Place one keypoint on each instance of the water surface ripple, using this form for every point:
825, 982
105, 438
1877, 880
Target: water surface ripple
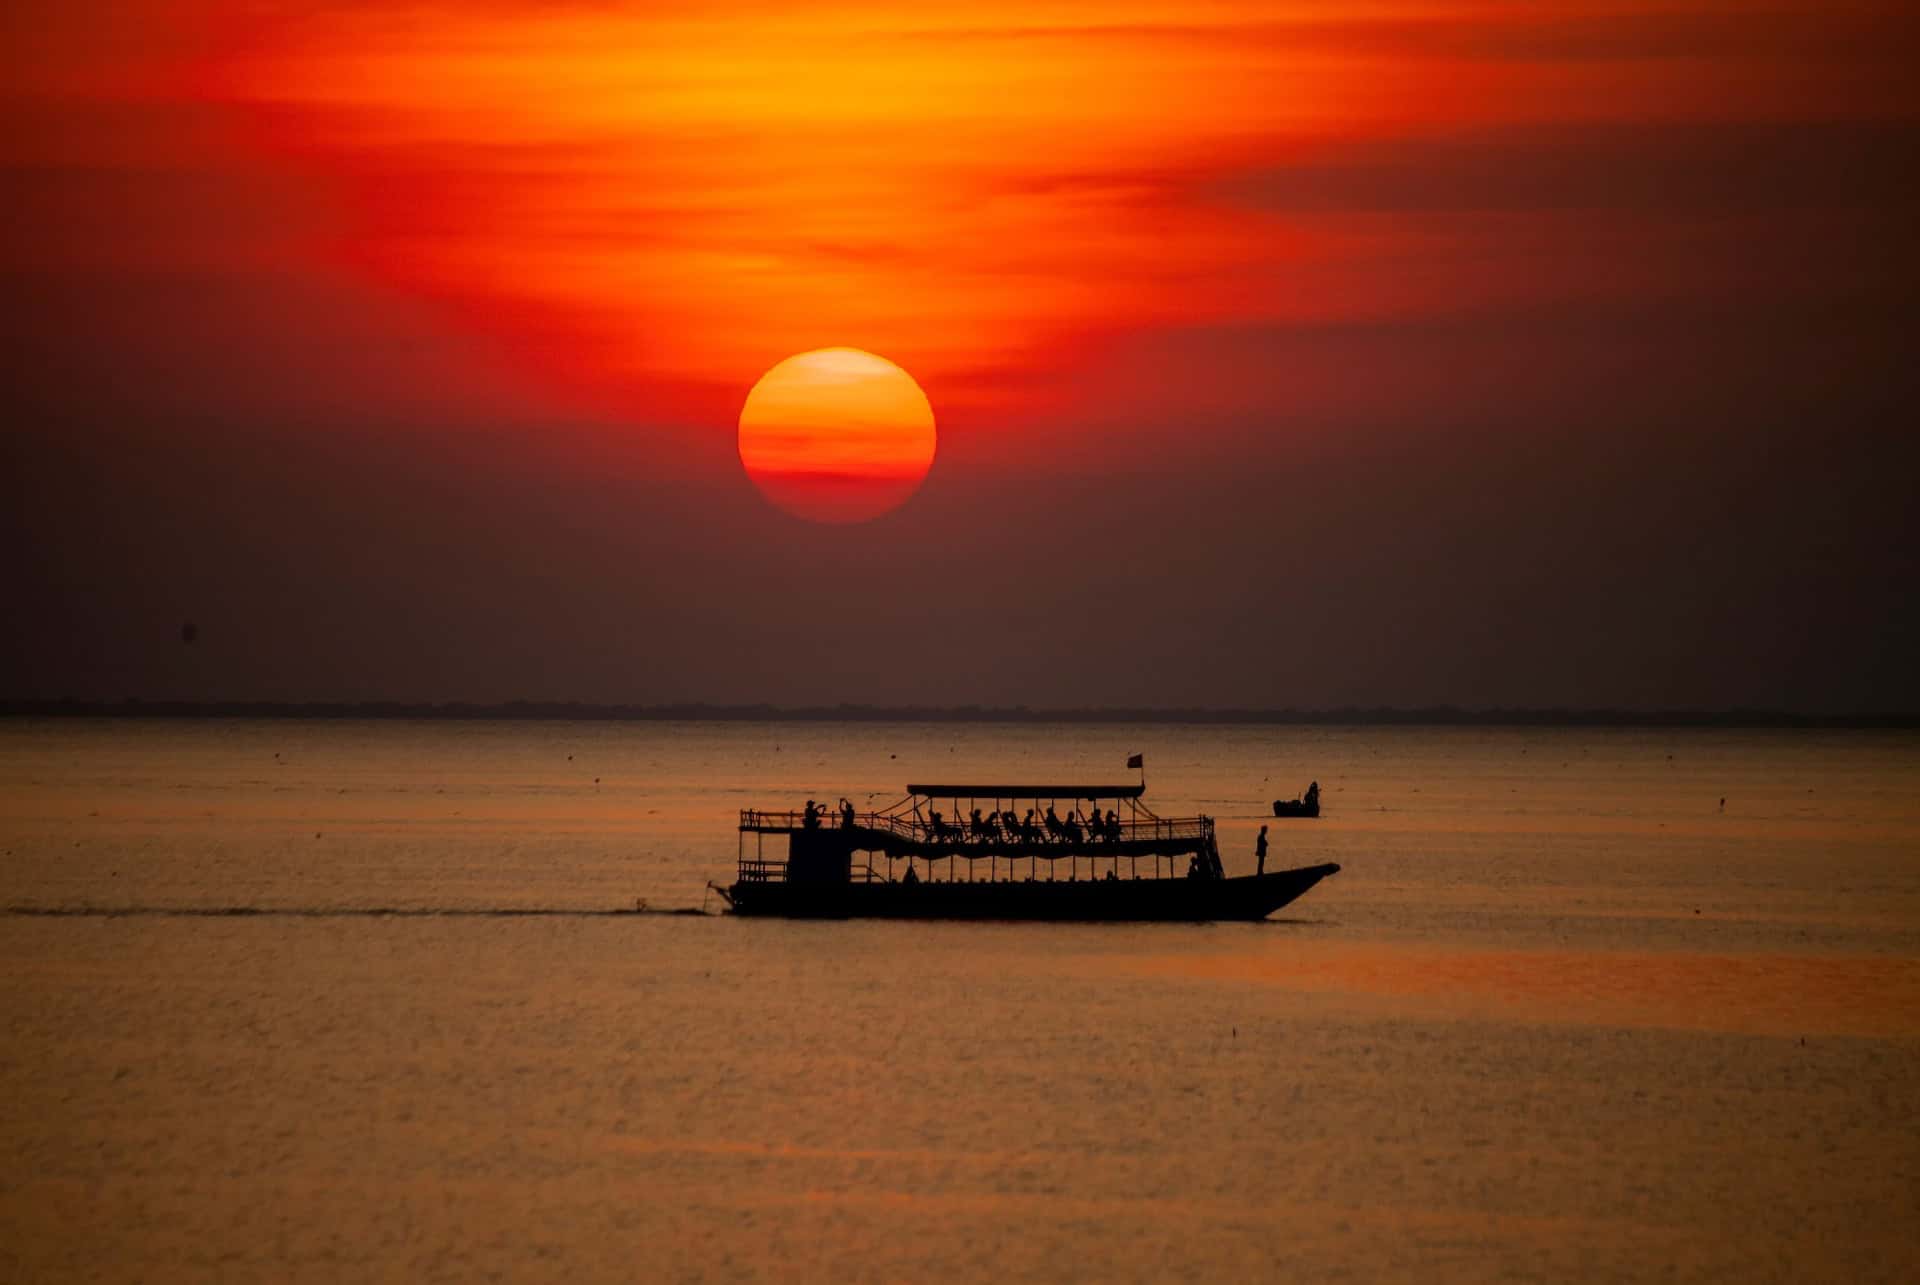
338, 1000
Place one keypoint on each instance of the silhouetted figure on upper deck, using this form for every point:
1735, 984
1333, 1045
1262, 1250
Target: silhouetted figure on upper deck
1054, 829
846, 814
979, 826
1113, 825
810, 819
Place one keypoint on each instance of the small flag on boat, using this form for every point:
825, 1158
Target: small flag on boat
1137, 760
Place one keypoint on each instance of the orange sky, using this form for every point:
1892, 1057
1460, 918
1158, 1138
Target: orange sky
644, 198
1459, 312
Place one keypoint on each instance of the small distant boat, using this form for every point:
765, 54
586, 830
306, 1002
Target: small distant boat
844, 864
1307, 805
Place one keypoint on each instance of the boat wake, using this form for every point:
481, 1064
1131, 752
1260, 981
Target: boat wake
343, 912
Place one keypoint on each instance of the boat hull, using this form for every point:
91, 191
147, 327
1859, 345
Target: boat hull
1249, 897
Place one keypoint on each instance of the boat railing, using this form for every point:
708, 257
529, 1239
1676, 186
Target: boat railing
773, 821
962, 833
757, 870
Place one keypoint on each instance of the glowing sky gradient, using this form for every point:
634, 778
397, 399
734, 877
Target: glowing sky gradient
649, 198
1482, 313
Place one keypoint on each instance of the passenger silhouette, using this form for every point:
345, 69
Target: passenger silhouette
1260, 851
810, 819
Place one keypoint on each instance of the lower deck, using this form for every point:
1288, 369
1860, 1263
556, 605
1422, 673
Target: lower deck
1193, 899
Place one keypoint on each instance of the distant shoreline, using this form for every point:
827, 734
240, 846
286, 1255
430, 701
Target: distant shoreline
1435, 716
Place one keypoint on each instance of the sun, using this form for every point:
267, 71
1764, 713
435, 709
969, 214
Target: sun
837, 435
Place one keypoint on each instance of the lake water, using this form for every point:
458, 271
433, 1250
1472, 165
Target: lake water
1562, 1015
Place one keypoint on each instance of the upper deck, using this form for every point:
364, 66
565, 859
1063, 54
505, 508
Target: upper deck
870, 830
997, 820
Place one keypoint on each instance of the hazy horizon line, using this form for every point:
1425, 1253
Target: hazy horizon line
849, 712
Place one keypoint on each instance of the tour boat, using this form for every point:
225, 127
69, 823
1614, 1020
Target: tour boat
998, 852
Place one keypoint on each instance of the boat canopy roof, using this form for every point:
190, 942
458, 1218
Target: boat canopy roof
1028, 791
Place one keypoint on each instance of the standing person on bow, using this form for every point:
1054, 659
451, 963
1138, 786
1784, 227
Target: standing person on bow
1260, 852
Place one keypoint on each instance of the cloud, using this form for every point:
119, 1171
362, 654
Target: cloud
1655, 169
